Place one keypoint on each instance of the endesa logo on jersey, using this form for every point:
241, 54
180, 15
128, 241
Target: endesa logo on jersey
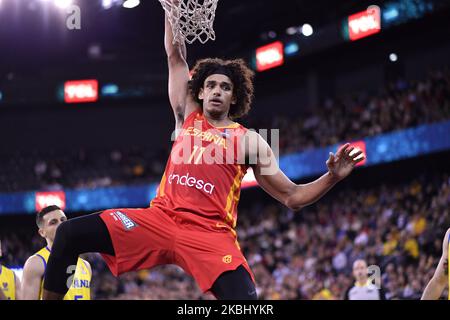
270, 56
81, 91
365, 23
45, 199
191, 182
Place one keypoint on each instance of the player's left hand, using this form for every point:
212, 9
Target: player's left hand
342, 163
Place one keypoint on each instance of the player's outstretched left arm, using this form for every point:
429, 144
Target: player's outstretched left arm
297, 196
437, 284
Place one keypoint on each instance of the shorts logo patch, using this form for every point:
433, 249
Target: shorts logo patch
227, 259
127, 223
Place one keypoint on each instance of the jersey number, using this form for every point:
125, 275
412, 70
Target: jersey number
199, 151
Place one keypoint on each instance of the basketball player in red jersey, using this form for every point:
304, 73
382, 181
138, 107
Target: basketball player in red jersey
192, 220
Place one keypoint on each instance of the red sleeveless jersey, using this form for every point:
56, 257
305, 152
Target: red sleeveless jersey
202, 179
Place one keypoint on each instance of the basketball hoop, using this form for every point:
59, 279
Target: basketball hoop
191, 19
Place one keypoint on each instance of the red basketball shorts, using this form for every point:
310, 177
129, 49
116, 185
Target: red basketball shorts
145, 238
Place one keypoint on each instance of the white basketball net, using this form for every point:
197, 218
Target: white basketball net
191, 19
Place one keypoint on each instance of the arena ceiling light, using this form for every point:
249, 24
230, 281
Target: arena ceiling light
63, 4
106, 4
393, 57
110, 89
390, 14
292, 30
291, 48
307, 30
129, 4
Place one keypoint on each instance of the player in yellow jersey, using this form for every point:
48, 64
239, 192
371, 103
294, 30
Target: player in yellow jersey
441, 277
9, 282
48, 220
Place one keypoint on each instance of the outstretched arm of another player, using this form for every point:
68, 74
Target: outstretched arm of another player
33, 271
297, 196
437, 284
181, 102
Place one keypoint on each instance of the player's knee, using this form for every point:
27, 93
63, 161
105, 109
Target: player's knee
64, 238
235, 285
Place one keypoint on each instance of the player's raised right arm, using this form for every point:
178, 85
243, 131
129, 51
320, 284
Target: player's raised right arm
437, 284
180, 100
33, 272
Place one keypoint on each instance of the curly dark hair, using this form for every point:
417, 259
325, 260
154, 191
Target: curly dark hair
240, 75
